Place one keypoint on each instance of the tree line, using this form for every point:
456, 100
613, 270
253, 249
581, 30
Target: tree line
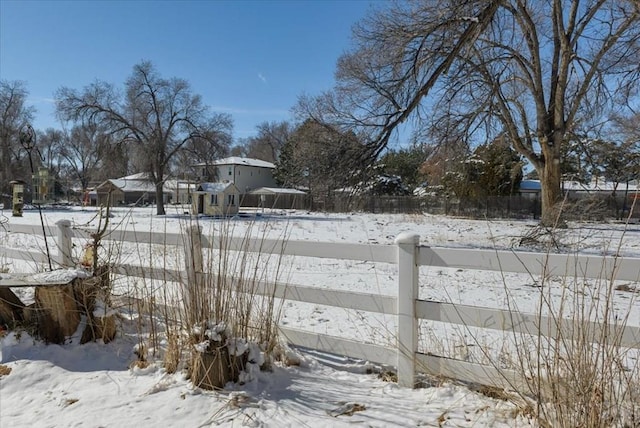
486, 87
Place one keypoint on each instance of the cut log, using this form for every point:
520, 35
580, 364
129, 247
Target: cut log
11, 308
97, 328
59, 307
57, 311
105, 328
100, 323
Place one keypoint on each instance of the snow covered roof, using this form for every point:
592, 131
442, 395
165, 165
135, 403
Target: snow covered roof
276, 191
127, 185
576, 186
236, 160
179, 184
597, 186
141, 182
213, 187
138, 176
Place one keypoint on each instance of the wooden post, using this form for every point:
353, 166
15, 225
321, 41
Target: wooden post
407, 294
194, 267
64, 243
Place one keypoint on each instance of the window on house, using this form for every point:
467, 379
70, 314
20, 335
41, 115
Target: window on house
232, 200
230, 171
214, 199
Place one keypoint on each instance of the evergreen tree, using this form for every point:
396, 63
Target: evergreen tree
493, 169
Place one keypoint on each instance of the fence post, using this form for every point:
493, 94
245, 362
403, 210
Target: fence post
407, 294
64, 243
194, 266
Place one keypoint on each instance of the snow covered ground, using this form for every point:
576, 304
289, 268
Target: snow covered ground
93, 384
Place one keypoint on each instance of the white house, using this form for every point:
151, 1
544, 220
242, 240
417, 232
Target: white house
215, 199
246, 173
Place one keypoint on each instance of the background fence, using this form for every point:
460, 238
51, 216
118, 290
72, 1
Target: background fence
408, 255
578, 206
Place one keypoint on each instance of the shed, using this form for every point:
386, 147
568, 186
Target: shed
220, 199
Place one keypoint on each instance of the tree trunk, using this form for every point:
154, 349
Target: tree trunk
159, 198
550, 181
5, 164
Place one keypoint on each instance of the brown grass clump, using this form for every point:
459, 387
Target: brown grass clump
4, 370
173, 354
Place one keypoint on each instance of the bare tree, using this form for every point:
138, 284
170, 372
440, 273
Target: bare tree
206, 150
318, 158
627, 127
14, 113
85, 150
49, 144
159, 116
269, 141
529, 69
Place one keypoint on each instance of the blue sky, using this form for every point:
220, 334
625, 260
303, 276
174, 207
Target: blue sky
251, 59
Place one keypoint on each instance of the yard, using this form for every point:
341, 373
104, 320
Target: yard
97, 385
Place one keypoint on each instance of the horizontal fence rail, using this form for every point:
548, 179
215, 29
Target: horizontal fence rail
536, 264
407, 254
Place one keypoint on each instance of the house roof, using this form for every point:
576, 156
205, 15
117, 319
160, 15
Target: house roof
139, 182
597, 186
594, 186
131, 185
236, 160
276, 191
179, 185
139, 176
213, 187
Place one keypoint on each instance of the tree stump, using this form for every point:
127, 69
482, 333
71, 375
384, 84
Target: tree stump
60, 306
212, 366
92, 299
11, 308
57, 312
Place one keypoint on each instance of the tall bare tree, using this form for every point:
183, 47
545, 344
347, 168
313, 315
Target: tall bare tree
206, 150
269, 140
158, 115
14, 113
49, 144
319, 158
529, 69
86, 149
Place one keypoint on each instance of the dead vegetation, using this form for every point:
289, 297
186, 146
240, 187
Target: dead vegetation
4, 370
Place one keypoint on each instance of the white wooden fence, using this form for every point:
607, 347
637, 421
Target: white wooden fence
409, 255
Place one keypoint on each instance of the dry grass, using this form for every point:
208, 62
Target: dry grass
578, 371
575, 368
227, 289
232, 289
4, 370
